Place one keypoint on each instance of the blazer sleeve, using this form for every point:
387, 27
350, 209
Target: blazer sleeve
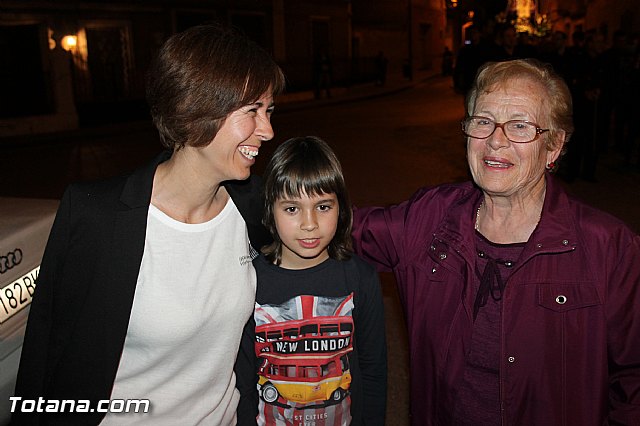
32, 373
247, 377
623, 324
248, 198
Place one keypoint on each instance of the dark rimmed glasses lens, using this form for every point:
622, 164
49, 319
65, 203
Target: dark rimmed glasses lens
518, 131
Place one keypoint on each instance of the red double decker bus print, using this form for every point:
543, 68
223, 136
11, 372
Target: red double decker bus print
303, 345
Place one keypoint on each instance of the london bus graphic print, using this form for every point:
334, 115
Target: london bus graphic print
303, 345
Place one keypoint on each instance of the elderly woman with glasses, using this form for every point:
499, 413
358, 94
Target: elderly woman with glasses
522, 303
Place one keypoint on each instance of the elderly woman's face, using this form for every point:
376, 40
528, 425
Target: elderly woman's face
499, 166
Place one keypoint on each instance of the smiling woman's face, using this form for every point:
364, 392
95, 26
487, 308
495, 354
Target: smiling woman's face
505, 168
233, 150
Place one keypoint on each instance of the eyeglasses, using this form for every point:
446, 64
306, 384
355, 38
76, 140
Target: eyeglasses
518, 131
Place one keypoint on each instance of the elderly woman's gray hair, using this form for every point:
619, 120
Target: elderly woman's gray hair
558, 107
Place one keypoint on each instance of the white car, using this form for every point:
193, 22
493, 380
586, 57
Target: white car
25, 224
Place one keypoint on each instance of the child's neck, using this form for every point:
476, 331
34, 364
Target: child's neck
290, 261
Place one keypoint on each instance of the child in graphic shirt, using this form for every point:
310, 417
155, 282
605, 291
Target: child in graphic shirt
314, 352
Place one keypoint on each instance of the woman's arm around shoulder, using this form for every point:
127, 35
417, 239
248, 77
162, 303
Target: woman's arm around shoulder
387, 236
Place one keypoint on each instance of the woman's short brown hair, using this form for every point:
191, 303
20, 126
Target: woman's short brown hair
202, 75
558, 106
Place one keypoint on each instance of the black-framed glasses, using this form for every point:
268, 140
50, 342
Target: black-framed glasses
518, 131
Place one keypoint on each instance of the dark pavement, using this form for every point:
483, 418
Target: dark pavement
42, 166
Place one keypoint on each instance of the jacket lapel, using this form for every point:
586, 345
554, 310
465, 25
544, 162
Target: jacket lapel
127, 248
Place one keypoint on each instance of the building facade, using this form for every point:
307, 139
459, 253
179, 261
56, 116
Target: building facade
81, 63
70, 63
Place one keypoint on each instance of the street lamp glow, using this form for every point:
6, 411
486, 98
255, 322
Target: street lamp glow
69, 42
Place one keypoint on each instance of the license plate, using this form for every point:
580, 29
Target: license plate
17, 295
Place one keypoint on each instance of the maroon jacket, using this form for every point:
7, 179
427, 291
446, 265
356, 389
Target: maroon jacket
571, 309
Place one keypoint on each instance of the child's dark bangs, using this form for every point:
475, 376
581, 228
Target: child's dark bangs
308, 180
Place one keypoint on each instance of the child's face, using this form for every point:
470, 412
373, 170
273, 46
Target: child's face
306, 225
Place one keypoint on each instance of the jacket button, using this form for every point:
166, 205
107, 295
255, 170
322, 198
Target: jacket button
565, 242
561, 299
433, 271
443, 256
539, 245
511, 359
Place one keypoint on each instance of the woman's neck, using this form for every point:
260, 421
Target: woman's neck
507, 220
184, 194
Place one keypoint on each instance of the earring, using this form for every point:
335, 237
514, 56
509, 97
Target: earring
551, 165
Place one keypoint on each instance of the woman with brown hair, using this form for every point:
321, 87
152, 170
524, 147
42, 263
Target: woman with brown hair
147, 281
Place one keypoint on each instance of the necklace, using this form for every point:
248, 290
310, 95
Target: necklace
478, 215
477, 224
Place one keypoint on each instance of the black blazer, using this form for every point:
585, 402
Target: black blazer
80, 311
